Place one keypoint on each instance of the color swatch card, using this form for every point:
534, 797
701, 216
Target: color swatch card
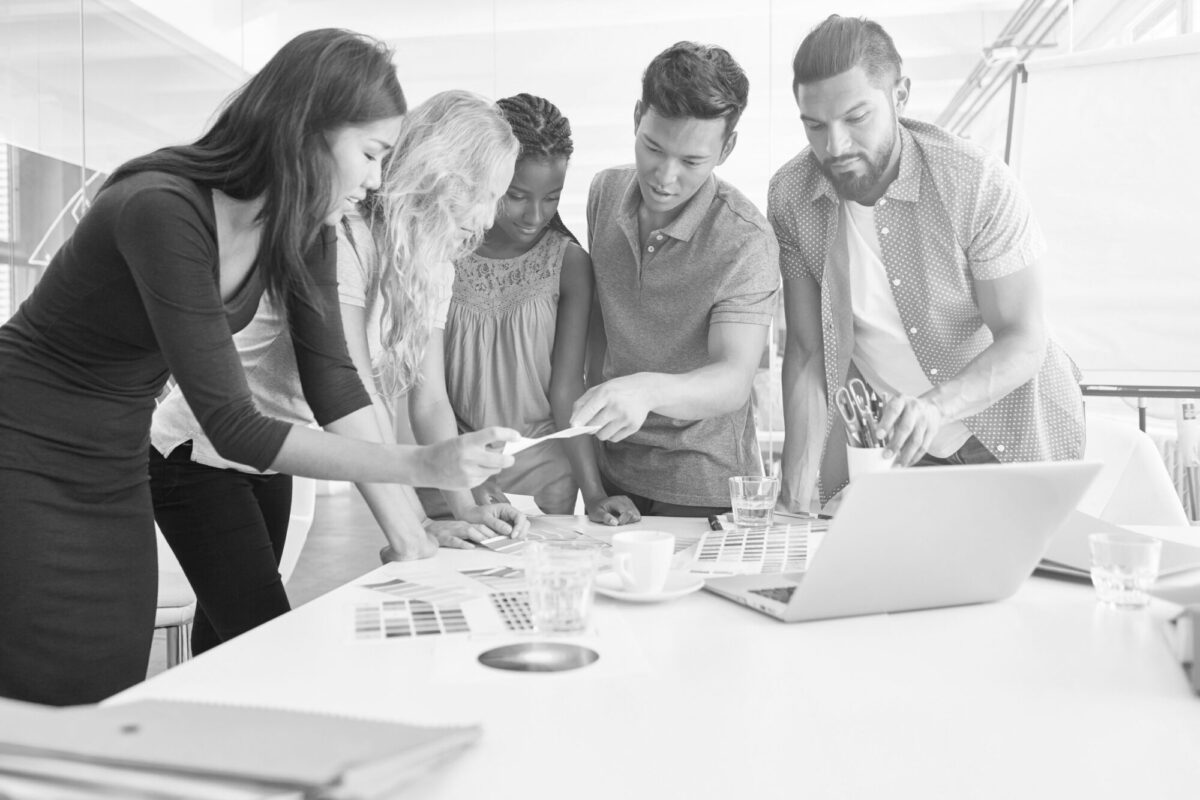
514, 447
748, 551
499, 612
438, 594
391, 619
499, 579
541, 529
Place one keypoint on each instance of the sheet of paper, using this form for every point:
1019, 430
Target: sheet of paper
512, 448
525, 504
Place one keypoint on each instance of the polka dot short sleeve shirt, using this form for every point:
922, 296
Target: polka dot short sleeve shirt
954, 215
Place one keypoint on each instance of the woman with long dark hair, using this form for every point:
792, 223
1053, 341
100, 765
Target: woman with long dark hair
174, 254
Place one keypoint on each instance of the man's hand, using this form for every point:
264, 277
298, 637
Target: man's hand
465, 461
501, 518
619, 406
615, 510
908, 426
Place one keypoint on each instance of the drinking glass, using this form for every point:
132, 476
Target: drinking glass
1123, 567
753, 500
562, 577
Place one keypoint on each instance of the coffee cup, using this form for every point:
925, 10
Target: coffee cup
642, 559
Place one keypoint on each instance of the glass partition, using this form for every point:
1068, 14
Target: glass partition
41, 135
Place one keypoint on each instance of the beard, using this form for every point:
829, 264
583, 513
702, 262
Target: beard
855, 187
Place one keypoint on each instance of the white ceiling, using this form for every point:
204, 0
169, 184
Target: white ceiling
152, 71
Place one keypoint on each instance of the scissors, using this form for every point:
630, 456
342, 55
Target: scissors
849, 411
864, 403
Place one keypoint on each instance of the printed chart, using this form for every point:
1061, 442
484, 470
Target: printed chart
745, 551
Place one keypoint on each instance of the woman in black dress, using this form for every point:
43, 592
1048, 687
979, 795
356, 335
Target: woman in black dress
174, 254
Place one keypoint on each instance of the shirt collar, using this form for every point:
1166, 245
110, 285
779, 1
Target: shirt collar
907, 186
688, 221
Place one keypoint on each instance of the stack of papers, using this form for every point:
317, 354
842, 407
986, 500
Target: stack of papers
1069, 555
167, 750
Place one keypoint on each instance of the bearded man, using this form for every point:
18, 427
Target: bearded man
910, 258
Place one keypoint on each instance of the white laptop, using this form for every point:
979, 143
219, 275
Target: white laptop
926, 537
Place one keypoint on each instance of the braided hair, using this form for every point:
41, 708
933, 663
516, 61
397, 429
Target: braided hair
544, 134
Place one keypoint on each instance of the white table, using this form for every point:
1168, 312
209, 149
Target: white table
1043, 695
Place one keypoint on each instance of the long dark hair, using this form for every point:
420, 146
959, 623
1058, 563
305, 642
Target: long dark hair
269, 141
544, 133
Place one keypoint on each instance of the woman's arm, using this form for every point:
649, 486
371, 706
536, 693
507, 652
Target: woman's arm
172, 255
397, 513
432, 420
566, 385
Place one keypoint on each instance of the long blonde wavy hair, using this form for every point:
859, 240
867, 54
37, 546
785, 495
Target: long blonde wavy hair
440, 187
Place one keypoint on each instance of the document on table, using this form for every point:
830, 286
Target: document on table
512, 448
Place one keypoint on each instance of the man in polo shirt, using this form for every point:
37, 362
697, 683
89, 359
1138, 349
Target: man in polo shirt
686, 287
910, 258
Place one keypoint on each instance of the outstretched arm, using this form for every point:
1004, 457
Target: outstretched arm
620, 405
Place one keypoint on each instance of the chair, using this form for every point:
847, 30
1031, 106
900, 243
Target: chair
177, 601
176, 604
304, 504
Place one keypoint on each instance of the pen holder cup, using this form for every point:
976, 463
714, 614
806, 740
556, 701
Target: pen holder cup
862, 460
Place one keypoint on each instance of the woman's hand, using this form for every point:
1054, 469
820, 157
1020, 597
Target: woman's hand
499, 517
465, 461
424, 546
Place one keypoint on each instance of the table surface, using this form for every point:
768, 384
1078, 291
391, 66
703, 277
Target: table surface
1044, 694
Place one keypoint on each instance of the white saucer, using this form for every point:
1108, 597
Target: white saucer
678, 584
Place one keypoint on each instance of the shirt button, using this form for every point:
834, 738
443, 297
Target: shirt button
884, 231
895, 281
912, 330
650, 248
999, 448
882, 201
933, 372
659, 237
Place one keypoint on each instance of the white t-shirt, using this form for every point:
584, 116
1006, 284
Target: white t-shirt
882, 351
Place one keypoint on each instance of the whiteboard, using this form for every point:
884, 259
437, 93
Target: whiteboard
1107, 145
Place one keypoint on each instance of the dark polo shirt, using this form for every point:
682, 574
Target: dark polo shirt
716, 263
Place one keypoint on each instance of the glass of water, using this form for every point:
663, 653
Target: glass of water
562, 576
753, 500
1124, 565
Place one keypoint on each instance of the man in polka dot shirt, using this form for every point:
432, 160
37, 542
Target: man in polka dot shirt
910, 258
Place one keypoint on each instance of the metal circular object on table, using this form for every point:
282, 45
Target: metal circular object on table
538, 657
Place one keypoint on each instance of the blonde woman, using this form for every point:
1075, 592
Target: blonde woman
226, 522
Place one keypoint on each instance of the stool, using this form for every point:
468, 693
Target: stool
176, 609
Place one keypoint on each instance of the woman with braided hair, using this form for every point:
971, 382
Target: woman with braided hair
516, 333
